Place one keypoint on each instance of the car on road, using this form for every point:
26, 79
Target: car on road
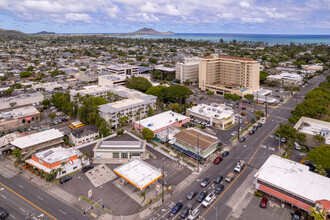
219, 189
233, 133
263, 121
296, 146
3, 213
87, 168
65, 179
218, 179
296, 215
251, 132
263, 202
205, 182
192, 194
225, 153
243, 108
208, 200
217, 160
201, 196
33, 127
242, 140
185, 211
176, 208
194, 214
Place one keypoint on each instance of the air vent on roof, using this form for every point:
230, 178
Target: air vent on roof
47, 153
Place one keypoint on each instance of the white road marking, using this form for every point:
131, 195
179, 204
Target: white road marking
40, 198
22, 209
62, 211
12, 216
21, 186
244, 145
271, 148
35, 218
2, 196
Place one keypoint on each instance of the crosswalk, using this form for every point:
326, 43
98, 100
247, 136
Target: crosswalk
5, 172
269, 148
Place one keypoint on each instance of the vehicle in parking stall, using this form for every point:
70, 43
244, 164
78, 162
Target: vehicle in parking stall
239, 166
229, 177
251, 132
218, 179
87, 168
283, 140
185, 211
263, 121
219, 189
208, 200
263, 202
194, 214
205, 182
259, 125
225, 153
65, 179
191, 195
201, 196
233, 133
176, 208
255, 128
243, 108
3, 213
241, 140
296, 215
296, 146
217, 160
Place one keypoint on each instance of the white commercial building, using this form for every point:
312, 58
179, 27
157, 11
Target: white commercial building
263, 96
292, 183
51, 86
287, 79
84, 134
312, 127
20, 100
313, 68
113, 79
188, 70
122, 69
139, 173
217, 115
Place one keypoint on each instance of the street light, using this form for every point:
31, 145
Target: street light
216, 212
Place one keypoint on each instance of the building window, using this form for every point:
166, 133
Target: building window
115, 155
63, 172
124, 155
40, 161
75, 167
135, 154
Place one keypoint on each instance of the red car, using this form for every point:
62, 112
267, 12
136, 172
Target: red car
263, 202
217, 160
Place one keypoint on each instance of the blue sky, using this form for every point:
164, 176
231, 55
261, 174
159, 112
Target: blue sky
180, 16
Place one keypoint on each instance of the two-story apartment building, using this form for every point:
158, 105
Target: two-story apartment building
83, 134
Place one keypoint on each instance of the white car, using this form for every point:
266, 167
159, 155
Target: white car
263, 121
296, 146
233, 133
208, 200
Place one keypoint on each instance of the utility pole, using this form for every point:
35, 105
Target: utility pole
279, 142
266, 104
239, 121
197, 153
163, 181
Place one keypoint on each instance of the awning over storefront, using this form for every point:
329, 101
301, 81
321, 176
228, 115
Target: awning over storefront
187, 152
28, 119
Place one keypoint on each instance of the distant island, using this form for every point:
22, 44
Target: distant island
44, 33
150, 31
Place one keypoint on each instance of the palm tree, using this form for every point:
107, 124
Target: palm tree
62, 165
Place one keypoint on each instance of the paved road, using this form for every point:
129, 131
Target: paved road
255, 151
23, 199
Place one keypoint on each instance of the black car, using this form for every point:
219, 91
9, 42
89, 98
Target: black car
218, 179
3, 213
205, 182
86, 168
259, 125
185, 211
64, 119
251, 132
225, 154
201, 196
176, 208
296, 215
219, 189
65, 179
242, 140
192, 194
255, 128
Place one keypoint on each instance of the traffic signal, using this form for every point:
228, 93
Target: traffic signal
102, 206
92, 207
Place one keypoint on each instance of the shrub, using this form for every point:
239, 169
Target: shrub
257, 193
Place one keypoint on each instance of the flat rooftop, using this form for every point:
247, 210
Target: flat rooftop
21, 96
139, 173
37, 138
113, 77
56, 154
286, 76
190, 136
120, 145
121, 105
161, 120
121, 66
215, 111
25, 111
313, 127
163, 68
294, 177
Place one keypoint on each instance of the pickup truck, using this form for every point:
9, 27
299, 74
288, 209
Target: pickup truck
208, 200
239, 166
229, 177
194, 214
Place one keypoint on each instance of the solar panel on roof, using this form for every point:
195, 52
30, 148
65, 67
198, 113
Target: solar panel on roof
48, 153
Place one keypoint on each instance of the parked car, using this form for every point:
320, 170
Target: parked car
185, 211
283, 140
259, 125
233, 133
296, 146
263, 202
218, 179
205, 182
3, 213
251, 132
296, 215
217, 160
86, 168
255, 128
65, 179
219, 189
192, 194
201, 196
242, 140
225, 153
176, 208
263, 121
243, 108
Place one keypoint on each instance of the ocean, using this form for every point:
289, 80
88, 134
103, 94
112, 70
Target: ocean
271, 39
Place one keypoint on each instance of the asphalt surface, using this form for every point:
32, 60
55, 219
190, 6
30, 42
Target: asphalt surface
255, 151
23, 199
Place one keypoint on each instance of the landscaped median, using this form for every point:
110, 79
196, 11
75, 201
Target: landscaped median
93, 204
241, 132
166, 190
